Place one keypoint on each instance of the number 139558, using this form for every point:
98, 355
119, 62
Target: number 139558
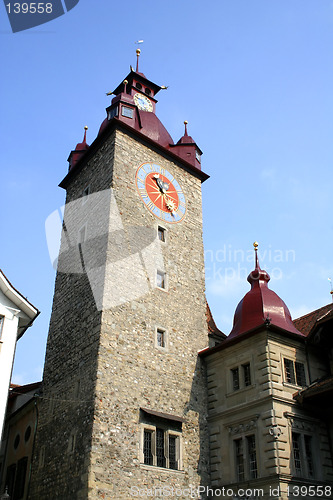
29, 8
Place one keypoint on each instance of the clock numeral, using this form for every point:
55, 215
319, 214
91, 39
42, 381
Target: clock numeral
150, 204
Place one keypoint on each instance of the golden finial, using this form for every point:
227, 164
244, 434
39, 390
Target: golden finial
255, 244
125, 82
138, 52
185, 122
85, 127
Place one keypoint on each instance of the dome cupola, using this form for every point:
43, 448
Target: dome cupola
261, 305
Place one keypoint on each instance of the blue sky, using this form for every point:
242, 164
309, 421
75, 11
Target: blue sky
253, 78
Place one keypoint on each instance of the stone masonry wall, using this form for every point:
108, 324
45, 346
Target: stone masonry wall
132, 372
102, 364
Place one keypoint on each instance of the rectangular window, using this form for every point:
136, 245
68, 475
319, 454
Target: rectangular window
308, 454
239, 459
161, 233
85, 194
112, 113
10, 479
128, 112
235, 379
160, 337
147, 448
160, 440
300, 374
160, 452
247, 374
294, 372
20, 478
252, 457
296, 440
302, 453
1, 325
289, 371
172, 452
161, 279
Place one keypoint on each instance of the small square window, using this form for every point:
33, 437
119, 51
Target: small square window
127, 112
161, 233
160, 337
161, 279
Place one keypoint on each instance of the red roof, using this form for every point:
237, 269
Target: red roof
261, 305
212, 328
305, 323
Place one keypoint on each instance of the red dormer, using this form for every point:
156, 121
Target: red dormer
187, 149
79, 151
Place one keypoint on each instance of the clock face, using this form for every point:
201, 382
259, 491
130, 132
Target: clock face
160, 192
143, 102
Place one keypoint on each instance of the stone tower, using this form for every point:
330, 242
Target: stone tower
123, 406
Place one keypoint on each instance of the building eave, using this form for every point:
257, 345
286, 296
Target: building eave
115, 124
235, 340
19, 301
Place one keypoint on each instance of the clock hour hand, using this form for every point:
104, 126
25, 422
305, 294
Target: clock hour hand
164, 186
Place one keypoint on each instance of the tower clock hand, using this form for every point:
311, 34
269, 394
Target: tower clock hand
164, 186
170, 204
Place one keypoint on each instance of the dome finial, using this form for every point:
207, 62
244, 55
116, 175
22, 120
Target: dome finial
125, 82
85, 135
185, 123
255, 246
138, 52
257, 275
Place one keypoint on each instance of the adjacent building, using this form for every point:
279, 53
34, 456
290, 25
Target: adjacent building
16, 315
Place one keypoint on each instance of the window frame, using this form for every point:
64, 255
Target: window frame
165, 338
85, 193
2, 321
161, 230
306, 467
238, 379
242, 457
167, 434
163, 275
128, 110
294, 372
80, 241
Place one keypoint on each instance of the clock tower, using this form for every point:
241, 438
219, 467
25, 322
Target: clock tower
123, 409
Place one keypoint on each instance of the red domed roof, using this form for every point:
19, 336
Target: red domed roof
261, 305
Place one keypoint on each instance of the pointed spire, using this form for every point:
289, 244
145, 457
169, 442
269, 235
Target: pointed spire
185, 123
85, 135
257, 275
138, 52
